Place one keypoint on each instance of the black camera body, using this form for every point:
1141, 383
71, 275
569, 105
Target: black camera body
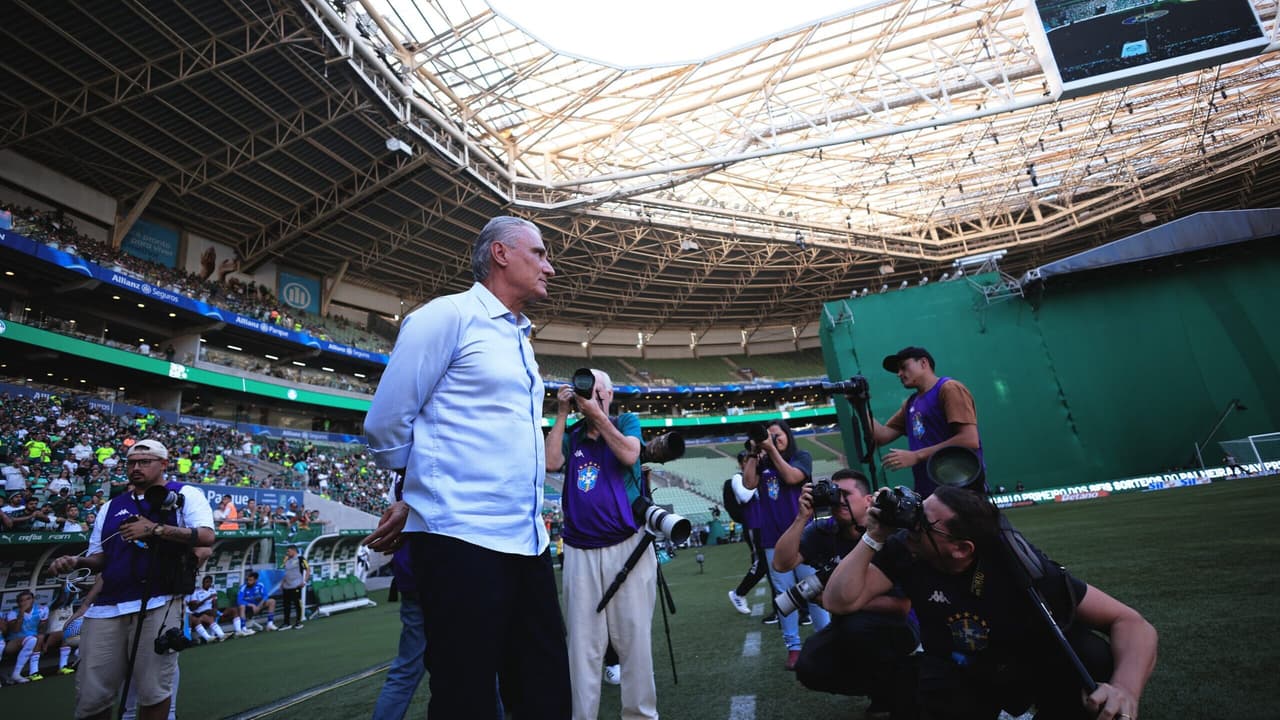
826, 498
664, 448
855, 388
756, 434
171, 640
583, 382
901, 508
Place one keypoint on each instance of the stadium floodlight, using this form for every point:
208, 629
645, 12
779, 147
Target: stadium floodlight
980, 259
398, 145
886, 269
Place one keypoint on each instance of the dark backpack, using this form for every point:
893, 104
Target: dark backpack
731, 504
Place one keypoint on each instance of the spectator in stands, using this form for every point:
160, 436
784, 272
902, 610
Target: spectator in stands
251, 601
1002, 657
462, 376
860, 653
778, 470
167, 563
203, 606
15, 474
297, 574
226, 515
601, 463
938, 414
25, 628
71, 521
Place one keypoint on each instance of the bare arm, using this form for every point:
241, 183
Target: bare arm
555, 438
1133, 649
855, 583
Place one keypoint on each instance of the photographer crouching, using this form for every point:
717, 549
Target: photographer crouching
860, 653
601, 462
143, 547
986, 647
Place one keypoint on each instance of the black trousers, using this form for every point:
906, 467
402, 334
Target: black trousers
292, 598
489, 614
759, 565
1042, 676
865, 653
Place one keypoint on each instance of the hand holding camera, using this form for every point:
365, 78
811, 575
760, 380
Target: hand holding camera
805, 512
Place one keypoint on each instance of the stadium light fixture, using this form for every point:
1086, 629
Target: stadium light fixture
980, 259
398, 145
270, 357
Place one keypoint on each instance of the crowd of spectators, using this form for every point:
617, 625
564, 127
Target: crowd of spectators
215, 284
61, 460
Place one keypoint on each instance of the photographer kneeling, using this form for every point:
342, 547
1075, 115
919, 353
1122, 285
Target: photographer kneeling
860, 653
144, 547
986, 648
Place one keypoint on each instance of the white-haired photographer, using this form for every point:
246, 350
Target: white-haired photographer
986, 646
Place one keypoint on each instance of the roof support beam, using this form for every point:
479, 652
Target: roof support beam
123, 226
327, 295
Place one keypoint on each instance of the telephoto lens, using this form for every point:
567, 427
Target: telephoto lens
661, 522
805, 590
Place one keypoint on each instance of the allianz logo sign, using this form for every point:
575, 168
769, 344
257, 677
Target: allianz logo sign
296, 295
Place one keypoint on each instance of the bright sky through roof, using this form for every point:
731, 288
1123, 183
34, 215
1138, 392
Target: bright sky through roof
659, 32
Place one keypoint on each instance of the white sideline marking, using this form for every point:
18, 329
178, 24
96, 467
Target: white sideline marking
760, 591
742, 707
751, 648
757, 610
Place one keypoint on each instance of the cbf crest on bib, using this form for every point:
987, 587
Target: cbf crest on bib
588, 477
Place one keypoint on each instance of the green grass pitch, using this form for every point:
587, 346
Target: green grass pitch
1202, 563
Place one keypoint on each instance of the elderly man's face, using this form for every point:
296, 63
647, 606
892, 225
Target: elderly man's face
528, 267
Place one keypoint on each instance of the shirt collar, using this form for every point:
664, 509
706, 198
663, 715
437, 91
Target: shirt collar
496, 309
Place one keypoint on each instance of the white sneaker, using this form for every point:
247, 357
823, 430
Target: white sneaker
613, 674
16, 678
244, 633
271, 627
739, 603
286, 627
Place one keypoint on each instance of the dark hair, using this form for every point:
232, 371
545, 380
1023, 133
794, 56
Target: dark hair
975, 518
790, 452
857, 477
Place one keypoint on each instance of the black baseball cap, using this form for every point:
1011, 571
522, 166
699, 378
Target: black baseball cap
892, 362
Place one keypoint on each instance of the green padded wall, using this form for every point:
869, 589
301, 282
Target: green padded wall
1107, 374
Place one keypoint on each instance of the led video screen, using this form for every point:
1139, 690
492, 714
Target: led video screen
1091, 45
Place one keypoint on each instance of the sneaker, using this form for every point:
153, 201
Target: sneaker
16, 678
286, 627
805, 619
244, 633
613, 674
33, 677
770, 619
739, 603
793, 656
297, 626
220, 638
271, 627
66, 671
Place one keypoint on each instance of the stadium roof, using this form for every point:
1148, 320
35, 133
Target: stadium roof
735, 193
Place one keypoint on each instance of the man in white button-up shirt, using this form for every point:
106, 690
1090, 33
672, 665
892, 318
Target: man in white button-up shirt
458, 413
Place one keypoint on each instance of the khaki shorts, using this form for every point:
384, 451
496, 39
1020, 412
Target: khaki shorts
104, 650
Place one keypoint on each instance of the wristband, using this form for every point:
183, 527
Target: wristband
871, 542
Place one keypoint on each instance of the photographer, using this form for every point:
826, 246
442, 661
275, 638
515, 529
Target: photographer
142, 547
985, 647
601, 461
778, 471
864, 652
938, 414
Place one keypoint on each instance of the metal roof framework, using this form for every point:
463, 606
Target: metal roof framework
735, 194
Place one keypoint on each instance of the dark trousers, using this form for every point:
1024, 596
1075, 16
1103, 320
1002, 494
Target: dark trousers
759, 565
1042, 676
865, 653
292, 598
490, 615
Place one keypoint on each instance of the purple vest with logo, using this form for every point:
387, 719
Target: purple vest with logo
927, 426
134, 572
597, 512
